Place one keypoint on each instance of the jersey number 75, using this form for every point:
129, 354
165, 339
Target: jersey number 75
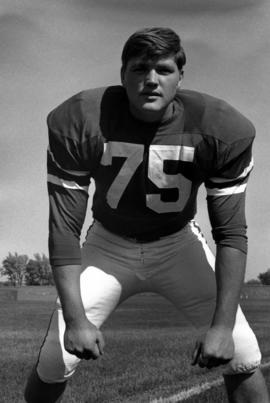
134, 154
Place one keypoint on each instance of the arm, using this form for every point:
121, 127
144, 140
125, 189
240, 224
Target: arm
230, 272
67, 281
217, 347
67, 211
69, 172
226, 207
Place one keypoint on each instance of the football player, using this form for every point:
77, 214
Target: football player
148, 146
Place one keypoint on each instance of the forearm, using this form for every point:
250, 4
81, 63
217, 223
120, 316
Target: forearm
81, 337
67, 281
230, 272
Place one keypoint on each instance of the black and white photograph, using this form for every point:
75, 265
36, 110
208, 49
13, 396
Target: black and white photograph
135, 218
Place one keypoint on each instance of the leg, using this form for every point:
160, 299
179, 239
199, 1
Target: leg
243, 378
37, 391
187, 279
47, 382
104, 284
246, 388
189, 283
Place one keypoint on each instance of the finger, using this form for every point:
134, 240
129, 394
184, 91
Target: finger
212, 363
221, 361
215, 362
88, 353
196, 354
78, 354
203, 362
100, 342
73, 351
95, 352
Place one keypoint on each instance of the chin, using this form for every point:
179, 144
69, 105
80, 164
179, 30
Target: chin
151, 107
148, 111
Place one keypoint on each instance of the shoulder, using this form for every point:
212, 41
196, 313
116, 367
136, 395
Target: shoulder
215, 117
82, 111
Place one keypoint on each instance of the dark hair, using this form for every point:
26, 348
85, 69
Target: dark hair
153, 43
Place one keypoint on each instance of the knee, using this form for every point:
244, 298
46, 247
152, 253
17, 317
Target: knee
247, 354
246, 360
242, 367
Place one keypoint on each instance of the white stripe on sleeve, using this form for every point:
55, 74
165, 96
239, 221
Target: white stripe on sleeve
244, 174
226, 191
66, 184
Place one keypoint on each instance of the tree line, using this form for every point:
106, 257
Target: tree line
263, 279
21, 270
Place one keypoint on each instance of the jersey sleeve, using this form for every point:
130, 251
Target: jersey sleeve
226, 191
69, 169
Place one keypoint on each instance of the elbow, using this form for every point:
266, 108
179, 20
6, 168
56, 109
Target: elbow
234, 237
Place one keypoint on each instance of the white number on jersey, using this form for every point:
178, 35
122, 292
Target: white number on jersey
134, 156
157, 155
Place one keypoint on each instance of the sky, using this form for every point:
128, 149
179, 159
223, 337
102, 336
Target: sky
53, 49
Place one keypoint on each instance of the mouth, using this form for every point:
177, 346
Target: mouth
150, 94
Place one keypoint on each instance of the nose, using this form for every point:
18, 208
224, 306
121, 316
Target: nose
151, 78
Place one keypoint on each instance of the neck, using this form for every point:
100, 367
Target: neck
153, 116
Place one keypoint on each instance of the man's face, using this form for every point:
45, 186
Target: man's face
151, 86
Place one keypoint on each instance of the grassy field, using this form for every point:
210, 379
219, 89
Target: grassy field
147, 354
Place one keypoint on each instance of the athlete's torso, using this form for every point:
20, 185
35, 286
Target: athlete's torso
147, 175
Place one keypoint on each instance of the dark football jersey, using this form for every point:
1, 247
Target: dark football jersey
146, 175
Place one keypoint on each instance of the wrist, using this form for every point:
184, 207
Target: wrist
75, 320
222, 325
225, 314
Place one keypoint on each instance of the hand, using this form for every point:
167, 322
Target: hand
216, 348
84, 340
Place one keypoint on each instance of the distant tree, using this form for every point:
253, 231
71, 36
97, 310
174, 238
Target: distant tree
38, 271
14, 267
265, 277
32, 273
254, 281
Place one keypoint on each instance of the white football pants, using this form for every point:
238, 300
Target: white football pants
178, 266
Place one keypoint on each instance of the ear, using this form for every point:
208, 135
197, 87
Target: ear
181, 77
122, 75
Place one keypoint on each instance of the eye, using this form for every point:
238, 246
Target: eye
164, 70
139, 69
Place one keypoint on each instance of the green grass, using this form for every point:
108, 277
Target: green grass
147, 354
